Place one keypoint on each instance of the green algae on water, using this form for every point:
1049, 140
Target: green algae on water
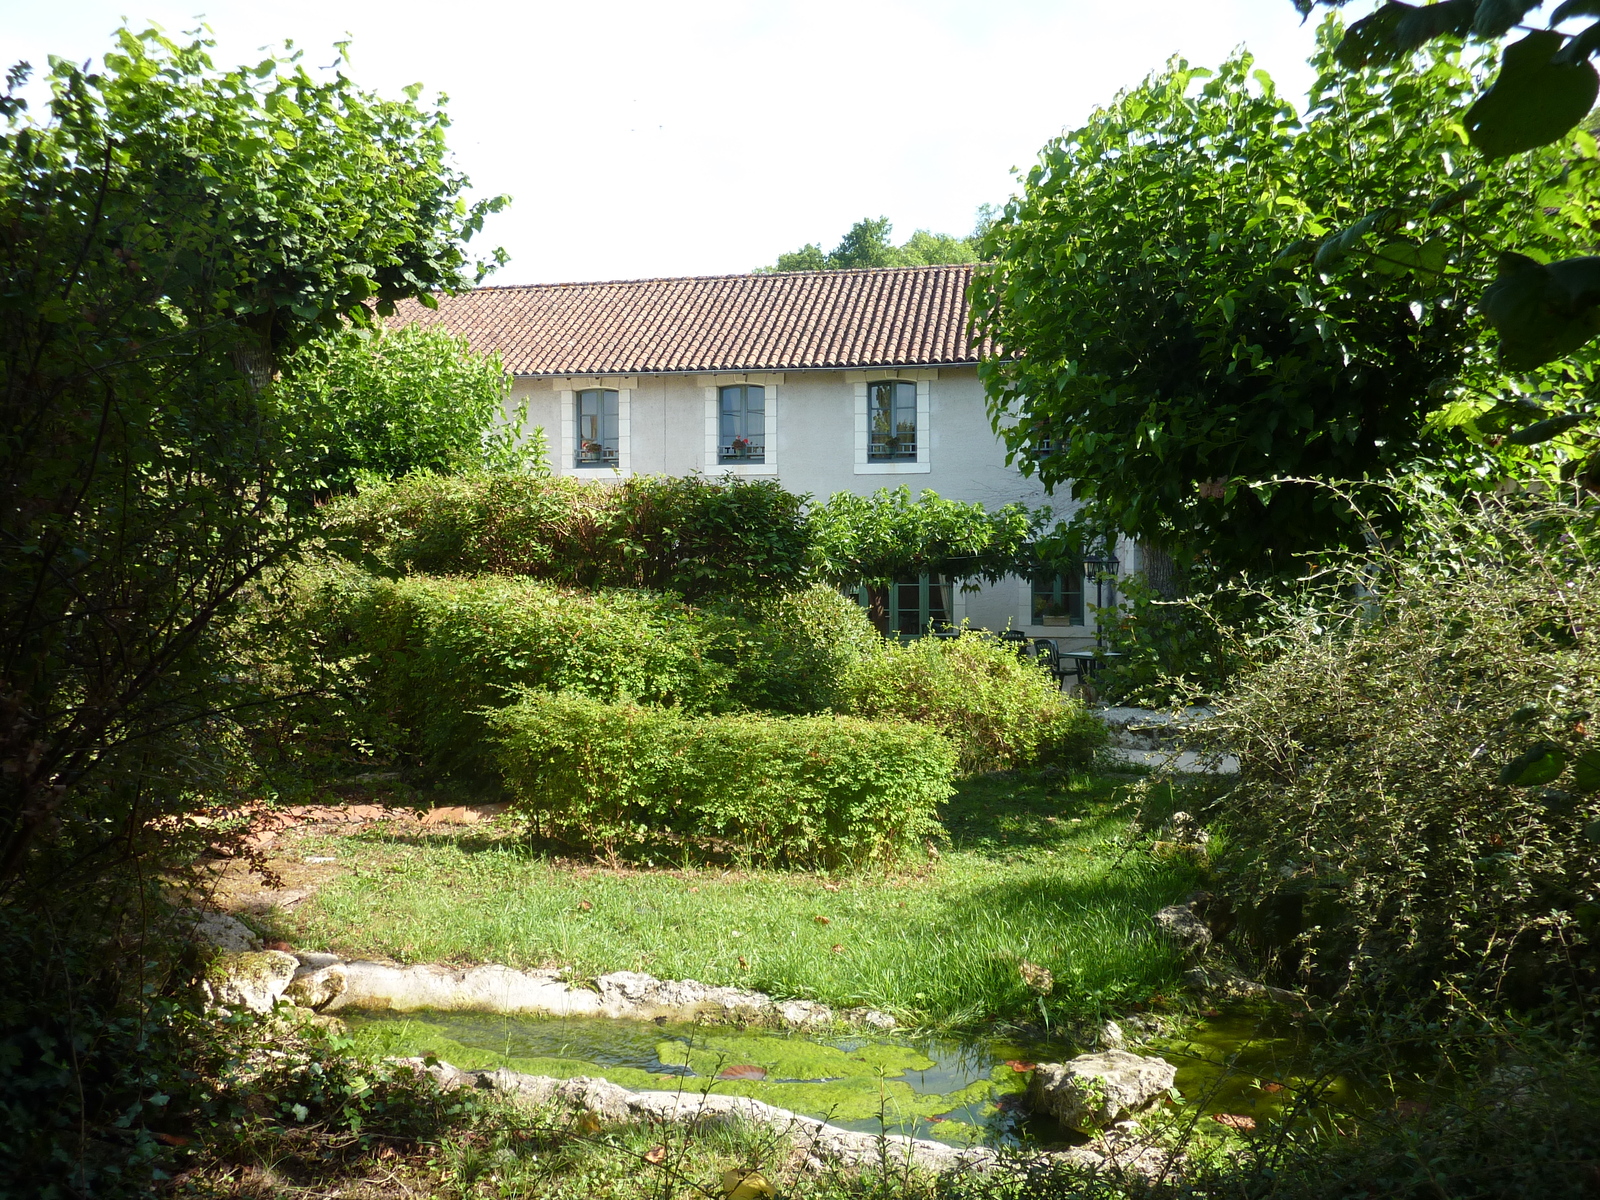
949, 1090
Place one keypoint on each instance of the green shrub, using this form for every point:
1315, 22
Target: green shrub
422, 656
412, 399
688, 535
1417, 815
998, 709
801, 649
807, 791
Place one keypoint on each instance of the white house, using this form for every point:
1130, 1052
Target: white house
825, 381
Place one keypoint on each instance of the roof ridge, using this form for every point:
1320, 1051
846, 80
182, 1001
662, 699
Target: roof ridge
573, 283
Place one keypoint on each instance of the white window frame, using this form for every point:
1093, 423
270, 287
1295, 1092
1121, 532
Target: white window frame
924, 463
772, 381
563, 457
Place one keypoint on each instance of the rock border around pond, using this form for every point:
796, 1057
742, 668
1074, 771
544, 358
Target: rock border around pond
818, 1142
258, 979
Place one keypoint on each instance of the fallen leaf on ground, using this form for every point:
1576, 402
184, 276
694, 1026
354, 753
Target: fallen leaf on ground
743, 1071
745, 1185
1234, 1121
656, 1155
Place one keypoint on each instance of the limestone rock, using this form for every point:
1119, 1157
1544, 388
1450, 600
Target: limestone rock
317, 987
815, 1143
1094, 1091
1184, 927
223, 931
254, 980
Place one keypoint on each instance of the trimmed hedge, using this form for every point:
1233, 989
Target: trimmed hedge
998, 709
805, 791
690, 535
422, 657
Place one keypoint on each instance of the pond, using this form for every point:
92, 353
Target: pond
961, 1090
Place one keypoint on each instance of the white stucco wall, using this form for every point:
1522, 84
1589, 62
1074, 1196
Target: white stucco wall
815, 429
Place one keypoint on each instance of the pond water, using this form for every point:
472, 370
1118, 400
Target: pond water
961, 1090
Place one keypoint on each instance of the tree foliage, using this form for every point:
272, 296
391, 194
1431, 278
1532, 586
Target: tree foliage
169, 229
1545, 87
1201, 291
868, 244
886, 536
387, 403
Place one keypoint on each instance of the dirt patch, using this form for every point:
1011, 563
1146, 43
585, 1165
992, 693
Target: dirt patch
264, 872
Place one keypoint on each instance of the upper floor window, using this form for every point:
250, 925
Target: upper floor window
1058, 599
891, 421
742, 423
597, 427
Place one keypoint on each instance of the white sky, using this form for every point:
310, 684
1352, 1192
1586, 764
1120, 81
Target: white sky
707, 136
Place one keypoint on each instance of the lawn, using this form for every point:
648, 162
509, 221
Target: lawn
1039, 870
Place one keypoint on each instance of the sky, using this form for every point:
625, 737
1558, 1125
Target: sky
642, 139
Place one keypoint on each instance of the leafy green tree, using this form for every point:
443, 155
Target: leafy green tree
387, 403
1202, 292
172, 230
868, 244
1545, 87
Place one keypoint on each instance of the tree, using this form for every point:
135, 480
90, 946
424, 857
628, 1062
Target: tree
868, 244
1545, 88
386, 403
171, 230
1200, 291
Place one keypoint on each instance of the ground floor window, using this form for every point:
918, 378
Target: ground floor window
1058, 599
908, 607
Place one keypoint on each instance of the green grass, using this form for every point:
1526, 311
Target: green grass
1038, 869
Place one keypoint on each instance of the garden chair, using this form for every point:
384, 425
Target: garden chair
1048, 655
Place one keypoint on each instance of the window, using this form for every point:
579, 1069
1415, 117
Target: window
891, 421
742, 423
1058, 599
597, 427
908, 606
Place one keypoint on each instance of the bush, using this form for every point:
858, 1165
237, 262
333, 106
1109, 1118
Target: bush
998, 709
1172, 651
421, 657
801, 649
806, 791
393, 402
1417, 816
688, 535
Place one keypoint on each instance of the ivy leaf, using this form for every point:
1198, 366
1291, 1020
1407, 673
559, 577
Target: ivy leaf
1540, 311
1534, 100
1538, 764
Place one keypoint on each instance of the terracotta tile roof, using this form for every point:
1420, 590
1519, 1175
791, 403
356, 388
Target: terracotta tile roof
903, 316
